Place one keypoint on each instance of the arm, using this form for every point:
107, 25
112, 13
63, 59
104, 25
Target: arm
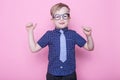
32, 44
89, 45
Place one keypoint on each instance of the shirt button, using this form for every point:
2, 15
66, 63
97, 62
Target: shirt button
61, 67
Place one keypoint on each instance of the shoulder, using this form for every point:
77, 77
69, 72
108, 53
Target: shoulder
72, 31
50, 32
47, 33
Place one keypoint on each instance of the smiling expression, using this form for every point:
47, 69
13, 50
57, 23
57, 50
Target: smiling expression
61, 18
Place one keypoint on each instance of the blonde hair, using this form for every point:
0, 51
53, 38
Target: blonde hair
58, 6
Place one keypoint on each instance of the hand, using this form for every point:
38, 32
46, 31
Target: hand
87, 31
30, 26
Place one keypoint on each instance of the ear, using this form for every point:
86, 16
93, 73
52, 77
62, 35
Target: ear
69, 17
51, 19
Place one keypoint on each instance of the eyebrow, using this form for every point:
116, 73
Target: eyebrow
61, 14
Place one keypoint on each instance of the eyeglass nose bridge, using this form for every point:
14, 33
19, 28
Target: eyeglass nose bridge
61, 17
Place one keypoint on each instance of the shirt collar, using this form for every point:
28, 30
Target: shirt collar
64, 29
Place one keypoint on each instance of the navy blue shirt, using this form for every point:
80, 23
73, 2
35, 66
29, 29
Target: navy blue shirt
52, 39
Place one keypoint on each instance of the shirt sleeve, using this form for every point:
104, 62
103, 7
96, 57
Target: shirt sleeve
79, 40
44, 40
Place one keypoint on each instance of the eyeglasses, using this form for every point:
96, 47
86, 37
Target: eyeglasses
64, 16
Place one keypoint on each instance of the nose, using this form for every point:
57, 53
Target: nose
61, 18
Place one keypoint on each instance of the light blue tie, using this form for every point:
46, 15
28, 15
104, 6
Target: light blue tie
63, 52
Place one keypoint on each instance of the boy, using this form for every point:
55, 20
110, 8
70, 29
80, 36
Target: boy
61, 42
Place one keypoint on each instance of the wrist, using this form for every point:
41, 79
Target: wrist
30, 30
88, 35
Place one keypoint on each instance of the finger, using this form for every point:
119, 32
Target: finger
29, 24
87, 29
84, 28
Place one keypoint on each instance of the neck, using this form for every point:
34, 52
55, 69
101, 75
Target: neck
60, 28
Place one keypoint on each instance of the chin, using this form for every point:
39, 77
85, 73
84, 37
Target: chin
61, 27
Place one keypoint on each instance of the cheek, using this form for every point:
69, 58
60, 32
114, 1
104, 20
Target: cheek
56, 23
67, 21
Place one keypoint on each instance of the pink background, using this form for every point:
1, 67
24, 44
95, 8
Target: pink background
18, 63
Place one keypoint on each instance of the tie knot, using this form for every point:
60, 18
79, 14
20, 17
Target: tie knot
61, 31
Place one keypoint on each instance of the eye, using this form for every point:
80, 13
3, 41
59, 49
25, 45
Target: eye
56, 16
65, 16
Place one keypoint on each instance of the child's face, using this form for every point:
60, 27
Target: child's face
61, 18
